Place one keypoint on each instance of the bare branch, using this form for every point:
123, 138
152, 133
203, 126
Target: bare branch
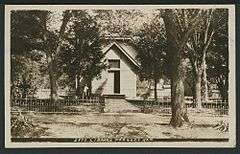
209, 41
195, 22
208, 22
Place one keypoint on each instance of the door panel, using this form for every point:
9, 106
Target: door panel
110, 83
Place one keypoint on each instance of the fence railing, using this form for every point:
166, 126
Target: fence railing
97, 103
61, 105
164, 106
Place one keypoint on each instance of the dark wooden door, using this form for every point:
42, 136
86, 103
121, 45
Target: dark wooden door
117, 82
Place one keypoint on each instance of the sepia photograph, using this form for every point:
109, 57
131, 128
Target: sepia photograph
120, 76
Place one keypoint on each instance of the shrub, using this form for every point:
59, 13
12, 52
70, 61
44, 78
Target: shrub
22, 127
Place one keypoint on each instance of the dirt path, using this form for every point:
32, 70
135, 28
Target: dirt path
119, 105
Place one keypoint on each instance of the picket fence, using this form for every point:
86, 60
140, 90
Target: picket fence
97, 104
219, 107
59, 106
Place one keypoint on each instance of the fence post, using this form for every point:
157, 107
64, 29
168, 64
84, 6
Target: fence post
102, 104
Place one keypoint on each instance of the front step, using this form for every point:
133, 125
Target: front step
114, 96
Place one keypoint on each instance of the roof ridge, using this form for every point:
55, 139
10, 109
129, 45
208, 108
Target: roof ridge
123, 51
127, 54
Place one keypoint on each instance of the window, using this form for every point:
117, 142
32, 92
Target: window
114, 63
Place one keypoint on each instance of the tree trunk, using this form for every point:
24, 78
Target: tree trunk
179, 110
51, 73
80, 87
223, 89
193, 88
77, 88
76, 83
178, 65
51, 57
197, 84
197, 91
224, 94
155, 89
53, 81
207, 42
205, 84
89, 84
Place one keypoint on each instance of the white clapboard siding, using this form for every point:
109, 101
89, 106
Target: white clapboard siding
127, 77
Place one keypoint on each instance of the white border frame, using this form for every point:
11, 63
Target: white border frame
232, 83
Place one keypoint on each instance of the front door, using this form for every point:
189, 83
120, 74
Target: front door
116, 86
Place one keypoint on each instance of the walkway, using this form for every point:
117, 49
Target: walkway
119, 105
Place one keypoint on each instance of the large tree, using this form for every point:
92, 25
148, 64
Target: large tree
52, 42
26, 55
179, 25
82, 57
26, 38
218, 56
199, 44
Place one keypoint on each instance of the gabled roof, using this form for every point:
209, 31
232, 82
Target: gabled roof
126, 49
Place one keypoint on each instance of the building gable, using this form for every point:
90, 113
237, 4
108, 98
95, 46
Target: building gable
123, 52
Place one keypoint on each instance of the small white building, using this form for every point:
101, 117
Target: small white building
121, 77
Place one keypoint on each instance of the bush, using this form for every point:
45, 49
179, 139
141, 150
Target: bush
22, 127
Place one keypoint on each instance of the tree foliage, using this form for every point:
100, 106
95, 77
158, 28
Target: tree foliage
122, 22
82, 57
200, 43
151, 46
218, 56
26, 56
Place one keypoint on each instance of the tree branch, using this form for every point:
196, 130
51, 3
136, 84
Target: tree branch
195, 22
66, 18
